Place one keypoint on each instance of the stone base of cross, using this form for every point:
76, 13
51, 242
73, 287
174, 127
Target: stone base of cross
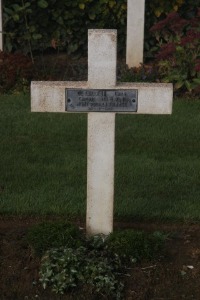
101, 97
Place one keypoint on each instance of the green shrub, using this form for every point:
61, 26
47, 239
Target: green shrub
65, 268
37, 25
145, 73
52, 235
95, 264
160, 7
136, 245
189, 8
178, 52
62, 268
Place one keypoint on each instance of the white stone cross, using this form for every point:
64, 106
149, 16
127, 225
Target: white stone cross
153, 98
135, 33
1, 27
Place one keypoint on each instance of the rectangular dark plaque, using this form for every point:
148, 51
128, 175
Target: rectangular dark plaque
87, 100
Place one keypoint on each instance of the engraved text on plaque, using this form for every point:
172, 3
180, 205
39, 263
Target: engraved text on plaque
86, 100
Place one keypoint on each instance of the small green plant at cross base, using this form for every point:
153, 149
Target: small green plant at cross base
72, 261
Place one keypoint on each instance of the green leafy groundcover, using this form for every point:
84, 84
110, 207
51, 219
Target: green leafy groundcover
70, 260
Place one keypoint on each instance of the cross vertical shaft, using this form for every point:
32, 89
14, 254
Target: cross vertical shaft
101, 134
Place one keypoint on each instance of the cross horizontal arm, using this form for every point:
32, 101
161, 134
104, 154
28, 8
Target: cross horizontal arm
153, 98
49, 96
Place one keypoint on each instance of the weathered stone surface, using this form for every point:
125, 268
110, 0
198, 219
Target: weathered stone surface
102, 57
135, 33
153, 98
100, 172
49, 96
102, 62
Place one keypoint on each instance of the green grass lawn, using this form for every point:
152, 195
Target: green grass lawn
43, 163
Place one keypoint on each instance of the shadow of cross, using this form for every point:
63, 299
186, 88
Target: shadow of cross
101, 97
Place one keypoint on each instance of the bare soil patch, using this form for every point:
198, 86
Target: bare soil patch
174, 275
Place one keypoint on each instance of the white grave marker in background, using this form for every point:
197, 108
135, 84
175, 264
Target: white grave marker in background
1, 27
101, 97
135, 33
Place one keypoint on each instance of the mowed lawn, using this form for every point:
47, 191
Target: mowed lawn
43, 163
